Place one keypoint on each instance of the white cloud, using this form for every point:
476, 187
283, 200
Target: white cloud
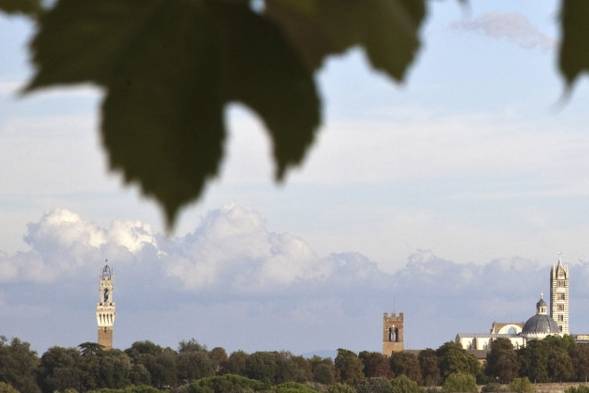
232, 247
63, 243
512, 27
270, 281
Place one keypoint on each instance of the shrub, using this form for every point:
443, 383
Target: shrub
374, 385
521, 385
223, 384
494, 387
293, 387
403, 384
340, 388
578, 389
460, 383
6, 388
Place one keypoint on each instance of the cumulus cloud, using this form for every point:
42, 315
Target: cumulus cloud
63, 243
232, 249
512, 27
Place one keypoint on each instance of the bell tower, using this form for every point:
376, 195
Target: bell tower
392, 334
559, 295
105, 308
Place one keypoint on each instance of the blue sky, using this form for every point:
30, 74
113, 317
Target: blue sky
474, 159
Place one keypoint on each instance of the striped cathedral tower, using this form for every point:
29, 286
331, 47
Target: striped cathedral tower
559, 295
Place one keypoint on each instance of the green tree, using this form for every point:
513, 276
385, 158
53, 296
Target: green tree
219, 357
502, 363
159, 362
191, 346
405, 363
402, 384
114, 369
580, 359
90, 348
460, 383
262, 366
375, 364
59, 369
236, 363
374, 385
139, 375
18, 365
533, 361
349, 368
521, 385
559, 365
453, 359
323, 370
292, 368
428, 363
194, 365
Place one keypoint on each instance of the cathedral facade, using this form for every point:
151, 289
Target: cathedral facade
538, 326
105, 308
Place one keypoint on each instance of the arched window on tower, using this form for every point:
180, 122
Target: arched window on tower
392, 334
396, 334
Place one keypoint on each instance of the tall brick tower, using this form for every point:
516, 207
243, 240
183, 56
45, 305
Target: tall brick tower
559, 295
392, 333
105, 309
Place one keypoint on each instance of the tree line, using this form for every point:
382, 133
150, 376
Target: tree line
146, 367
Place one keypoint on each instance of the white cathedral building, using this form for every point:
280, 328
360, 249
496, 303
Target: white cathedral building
538, 326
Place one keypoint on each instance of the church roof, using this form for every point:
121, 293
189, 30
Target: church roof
541, 324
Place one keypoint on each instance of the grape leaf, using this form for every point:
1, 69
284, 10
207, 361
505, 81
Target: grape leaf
27, 7
162, 119
386, 29
169, 68
574, 46
276, 86
81, 41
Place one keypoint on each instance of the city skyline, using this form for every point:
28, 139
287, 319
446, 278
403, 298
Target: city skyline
420, 198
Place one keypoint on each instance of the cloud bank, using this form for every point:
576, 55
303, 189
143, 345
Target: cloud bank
236, 283
512, 27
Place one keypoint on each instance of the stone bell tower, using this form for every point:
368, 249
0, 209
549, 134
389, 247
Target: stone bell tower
105, 308
392, 334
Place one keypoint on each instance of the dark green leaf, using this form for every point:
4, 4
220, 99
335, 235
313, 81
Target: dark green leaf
27, 7
267, 75
169, 67
162, 118
574, 47
386, 29
82, 41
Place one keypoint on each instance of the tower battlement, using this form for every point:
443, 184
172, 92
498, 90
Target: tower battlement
393, 315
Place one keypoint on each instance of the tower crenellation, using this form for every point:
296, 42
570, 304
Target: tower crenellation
105, 308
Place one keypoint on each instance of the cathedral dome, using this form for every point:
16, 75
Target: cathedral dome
540, 324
